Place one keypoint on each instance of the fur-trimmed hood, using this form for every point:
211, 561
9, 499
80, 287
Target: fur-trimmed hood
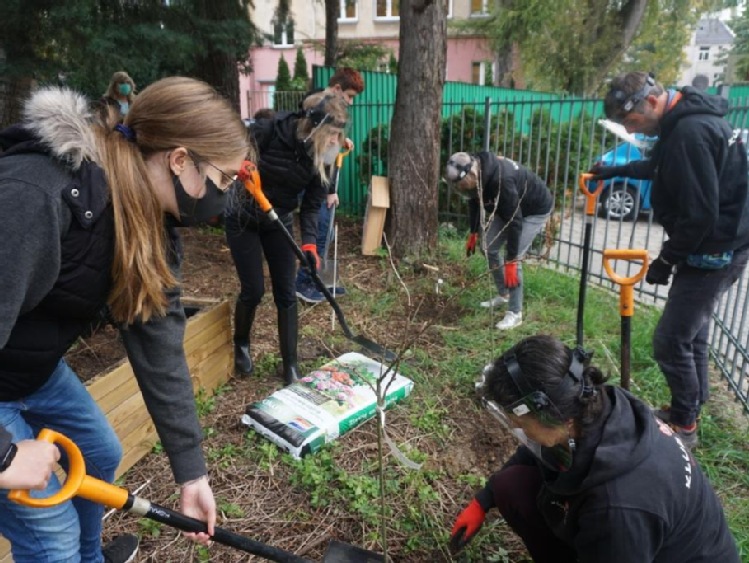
56, 121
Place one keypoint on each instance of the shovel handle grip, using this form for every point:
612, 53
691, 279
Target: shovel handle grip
626, 297
590, 196
77, 482
250, 177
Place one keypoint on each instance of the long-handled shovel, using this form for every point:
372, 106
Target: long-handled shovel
328, 270
250, 176
81, 485
626, 299
590, 209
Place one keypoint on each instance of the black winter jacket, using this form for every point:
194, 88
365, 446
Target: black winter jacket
699, 172
507, 184
287, 169
634, 493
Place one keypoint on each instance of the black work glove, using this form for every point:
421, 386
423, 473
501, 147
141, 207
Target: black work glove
659, 271
601, 172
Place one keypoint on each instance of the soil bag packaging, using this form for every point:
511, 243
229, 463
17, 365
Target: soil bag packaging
324, 404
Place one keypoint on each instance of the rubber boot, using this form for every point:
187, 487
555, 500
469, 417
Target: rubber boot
288, 332
244, 316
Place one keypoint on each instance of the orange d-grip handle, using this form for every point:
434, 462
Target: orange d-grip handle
627, 295
250, 176
77, 482
590, 197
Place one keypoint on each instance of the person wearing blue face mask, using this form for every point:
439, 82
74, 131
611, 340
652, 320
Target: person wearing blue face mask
119, 95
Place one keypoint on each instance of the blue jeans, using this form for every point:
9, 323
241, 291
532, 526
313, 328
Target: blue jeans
303, 276
680, 341
71, 531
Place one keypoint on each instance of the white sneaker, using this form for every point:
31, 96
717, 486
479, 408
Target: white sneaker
494, 301
511, 320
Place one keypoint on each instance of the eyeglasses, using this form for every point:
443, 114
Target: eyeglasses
226, 179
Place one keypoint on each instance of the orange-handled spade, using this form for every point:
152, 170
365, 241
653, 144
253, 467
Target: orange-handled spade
250, 176
81, 485
626, 299
590, 209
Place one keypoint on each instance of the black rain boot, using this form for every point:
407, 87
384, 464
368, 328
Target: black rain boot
288, 332
244, 316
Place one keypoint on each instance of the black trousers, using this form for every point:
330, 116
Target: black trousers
251, 235
680, 341
515, 490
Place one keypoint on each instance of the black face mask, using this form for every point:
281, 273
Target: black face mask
193, 211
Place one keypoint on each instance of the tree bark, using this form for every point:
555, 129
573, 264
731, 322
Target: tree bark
332, 12
414, 152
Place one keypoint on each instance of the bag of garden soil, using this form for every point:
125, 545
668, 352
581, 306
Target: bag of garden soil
324, 404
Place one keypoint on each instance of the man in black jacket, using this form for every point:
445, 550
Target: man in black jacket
699, 171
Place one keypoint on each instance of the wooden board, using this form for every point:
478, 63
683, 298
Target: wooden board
208, 348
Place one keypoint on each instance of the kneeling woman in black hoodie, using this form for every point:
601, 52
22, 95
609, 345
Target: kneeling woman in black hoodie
293, 152
598, 477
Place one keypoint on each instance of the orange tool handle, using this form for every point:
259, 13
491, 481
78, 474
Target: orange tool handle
250, 176
627, 295
339, 158
590, 197
77, 482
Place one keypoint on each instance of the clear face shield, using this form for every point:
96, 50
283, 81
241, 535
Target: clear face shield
534, 410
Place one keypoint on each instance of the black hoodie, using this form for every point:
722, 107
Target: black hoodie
699, 171
634, 493
514, 191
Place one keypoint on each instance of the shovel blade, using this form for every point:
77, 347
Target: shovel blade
339, 552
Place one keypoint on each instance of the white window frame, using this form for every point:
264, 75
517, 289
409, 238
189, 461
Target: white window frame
449, 9
484, 10
342, 12
482, 72
704, 51
284, 35
388, 10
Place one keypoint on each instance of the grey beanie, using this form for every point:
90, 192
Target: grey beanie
458, 166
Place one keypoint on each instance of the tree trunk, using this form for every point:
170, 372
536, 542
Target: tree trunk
332, 12
414, 148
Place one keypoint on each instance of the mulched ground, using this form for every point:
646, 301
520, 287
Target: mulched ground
274, 511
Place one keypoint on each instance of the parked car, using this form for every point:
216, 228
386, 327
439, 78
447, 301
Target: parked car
623, 198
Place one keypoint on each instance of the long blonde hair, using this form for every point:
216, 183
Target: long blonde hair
169, 113
324, 114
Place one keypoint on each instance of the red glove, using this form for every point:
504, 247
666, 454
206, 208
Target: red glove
466, 525
313, 260
511, 275
471, 244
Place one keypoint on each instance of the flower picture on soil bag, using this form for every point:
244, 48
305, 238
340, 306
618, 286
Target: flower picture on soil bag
338, 381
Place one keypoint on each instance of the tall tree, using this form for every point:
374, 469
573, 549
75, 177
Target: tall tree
332, 13
413, 168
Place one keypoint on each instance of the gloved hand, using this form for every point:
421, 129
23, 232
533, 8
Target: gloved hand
602, 172
659, 271
467, 524
313, 259
471, 244
511, 274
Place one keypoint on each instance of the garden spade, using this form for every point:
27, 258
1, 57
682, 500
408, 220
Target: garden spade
81, 485
590, 209
250, 176
626, 299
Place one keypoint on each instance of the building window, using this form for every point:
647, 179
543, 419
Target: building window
477, 73
283, 33
479, 7
449, 10
388, 9
349, 10
704, 54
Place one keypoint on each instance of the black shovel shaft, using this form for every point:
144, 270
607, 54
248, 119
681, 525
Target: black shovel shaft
361, 340
583, 279
626, 328
221, 535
